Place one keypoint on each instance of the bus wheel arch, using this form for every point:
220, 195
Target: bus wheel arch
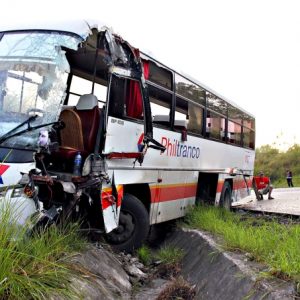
226, 195
133, 226
141, 191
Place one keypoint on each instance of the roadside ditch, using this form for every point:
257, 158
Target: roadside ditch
206, 272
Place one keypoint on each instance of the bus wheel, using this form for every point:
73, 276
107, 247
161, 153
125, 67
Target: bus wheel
133, 226
225, 200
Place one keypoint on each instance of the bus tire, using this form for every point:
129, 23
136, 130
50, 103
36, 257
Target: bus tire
133, 226
226, 200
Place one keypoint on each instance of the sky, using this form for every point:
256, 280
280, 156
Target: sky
245, 50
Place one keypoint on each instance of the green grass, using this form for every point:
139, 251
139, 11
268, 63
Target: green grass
269, 242
169, 255
145, 255
283, 184
34, 267
166, 254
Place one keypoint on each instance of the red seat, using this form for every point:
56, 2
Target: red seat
88, 111
80, 132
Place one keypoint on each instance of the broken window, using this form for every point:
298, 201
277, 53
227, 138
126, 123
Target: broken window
33, 74
125, 99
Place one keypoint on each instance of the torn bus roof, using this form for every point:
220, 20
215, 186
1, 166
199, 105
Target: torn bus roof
117, 51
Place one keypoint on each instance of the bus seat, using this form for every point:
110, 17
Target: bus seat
80, 132
89, 114
71, 136
71, 141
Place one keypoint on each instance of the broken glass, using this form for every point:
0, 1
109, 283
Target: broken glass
33, 76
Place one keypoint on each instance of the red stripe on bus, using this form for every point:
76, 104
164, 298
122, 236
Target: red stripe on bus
108, 199
3, 168
172, 192
124, 155
237, 184
220, 186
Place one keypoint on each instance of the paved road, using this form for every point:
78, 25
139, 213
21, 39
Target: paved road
286, 201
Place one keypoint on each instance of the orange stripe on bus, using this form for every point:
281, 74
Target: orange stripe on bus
237, 184
172, 192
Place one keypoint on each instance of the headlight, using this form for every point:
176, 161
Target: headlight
17, 192
30, 191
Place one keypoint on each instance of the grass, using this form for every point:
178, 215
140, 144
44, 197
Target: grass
169, 255
177, 289
145, 255
170, 258
269, 242
281, 183
166, 255
36, 266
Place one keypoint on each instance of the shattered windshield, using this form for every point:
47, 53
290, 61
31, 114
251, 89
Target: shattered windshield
33, 78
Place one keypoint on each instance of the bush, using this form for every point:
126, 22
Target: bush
275, 163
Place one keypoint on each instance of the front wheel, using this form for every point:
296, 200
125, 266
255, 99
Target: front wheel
133, 226
225, 200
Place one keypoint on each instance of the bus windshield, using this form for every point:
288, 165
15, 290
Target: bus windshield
33, 77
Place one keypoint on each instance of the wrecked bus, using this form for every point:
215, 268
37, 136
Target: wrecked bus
118, 139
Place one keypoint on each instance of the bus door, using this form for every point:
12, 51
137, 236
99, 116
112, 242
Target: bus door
125, 119
171, 198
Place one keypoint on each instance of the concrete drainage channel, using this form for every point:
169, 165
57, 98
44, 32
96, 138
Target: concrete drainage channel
215, 273
218, 274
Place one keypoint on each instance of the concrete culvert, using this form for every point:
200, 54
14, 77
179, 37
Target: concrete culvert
218, 274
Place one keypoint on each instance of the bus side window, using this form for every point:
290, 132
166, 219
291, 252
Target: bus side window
192, 113
248, 138
234, 133
195, 121
81, 86
160, 102
125, 99
214, 125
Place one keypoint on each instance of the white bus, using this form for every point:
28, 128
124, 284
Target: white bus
152, 141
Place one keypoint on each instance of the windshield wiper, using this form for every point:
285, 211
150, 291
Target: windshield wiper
12, 132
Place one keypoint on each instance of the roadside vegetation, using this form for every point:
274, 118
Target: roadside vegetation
167, 261
166, 255
274, 164
38, 265
267, 241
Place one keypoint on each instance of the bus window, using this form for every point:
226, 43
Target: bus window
249, 121
235, 114
160, 76
189, 90
248, 138
195, 121
125, 99
234, 133
160, 102
81, 86
215, 126
192, 113
216, 104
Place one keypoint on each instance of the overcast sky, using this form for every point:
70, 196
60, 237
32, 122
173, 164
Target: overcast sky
247, 51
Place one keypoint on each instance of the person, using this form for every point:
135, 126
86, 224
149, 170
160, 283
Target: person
263, 185
289, 178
